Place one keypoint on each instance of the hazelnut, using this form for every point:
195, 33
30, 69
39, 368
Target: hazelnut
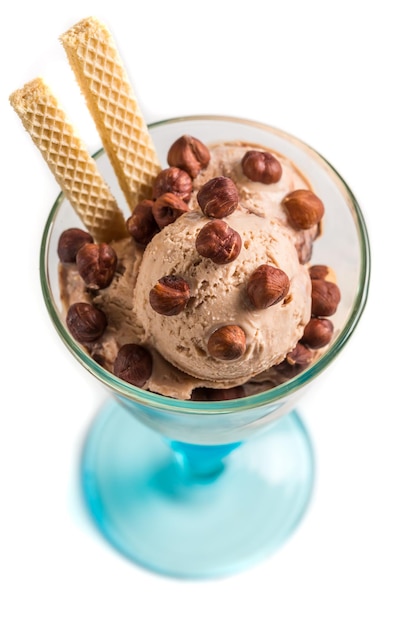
133, 364
167, 208
85, 322
261, 167
227, 343
141, 224
325, 297
170, 295
96, 264
286, 370
174, 180
304, 208
70, 241
317, 333
323, 272
300, 356
266, 286
189, 154
318, 272
218, 197
219, 242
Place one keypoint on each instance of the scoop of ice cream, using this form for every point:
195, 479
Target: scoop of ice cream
218, 298
261, 199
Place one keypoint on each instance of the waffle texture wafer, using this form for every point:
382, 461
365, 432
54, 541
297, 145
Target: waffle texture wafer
67, 157
99, 71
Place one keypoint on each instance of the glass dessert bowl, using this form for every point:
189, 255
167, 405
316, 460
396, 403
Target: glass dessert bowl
205, 488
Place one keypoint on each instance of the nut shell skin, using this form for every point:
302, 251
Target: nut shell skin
325, 298
167, 208
304, 208
227, 343
261, 167
85, 322
70, 242
267, 285
141, 225
219, 242
322, 272
96, 263
301, 355
189, 154
133, 364
175, 180
170, 295
218, 197
318, 333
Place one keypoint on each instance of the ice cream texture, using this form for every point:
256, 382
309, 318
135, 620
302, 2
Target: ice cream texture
218, 295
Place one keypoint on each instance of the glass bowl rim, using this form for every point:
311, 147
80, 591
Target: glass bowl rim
274, 395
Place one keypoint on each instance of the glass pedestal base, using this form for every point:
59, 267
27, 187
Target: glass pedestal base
168, 521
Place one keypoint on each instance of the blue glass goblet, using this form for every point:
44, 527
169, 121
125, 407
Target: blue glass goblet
199, 489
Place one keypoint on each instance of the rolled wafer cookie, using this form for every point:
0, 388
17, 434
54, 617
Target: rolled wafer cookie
69, 160
100, 73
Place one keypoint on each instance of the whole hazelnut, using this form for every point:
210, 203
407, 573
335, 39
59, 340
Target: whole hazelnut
318, 271
167, 208
304, 208
325, 297
300, 356
218, 197
323, 272
141, 224
96, 264
70, 241
85, 322
189, 154
219, 242
261, 167
174, 180
227, 343
317, 333
266, 286
170, 295
133, 364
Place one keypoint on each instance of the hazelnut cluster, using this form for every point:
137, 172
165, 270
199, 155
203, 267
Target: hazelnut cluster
97, 264
217, 199
318, 333
171, 191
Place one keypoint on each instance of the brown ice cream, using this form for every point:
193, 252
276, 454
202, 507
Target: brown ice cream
259, 198
208, 324
218, 297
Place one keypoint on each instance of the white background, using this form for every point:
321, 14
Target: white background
341, 76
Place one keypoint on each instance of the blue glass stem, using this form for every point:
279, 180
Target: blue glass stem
170, 507
201, 463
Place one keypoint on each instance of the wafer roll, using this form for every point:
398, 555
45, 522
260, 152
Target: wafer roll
67, 157
110, 98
